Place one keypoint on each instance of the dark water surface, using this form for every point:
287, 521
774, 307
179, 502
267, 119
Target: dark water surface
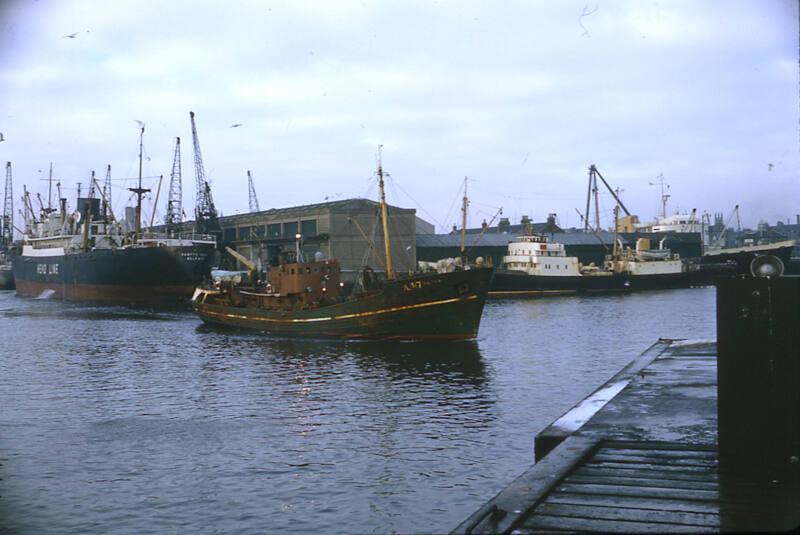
115, 420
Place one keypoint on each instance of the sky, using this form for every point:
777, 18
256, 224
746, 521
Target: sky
518, 96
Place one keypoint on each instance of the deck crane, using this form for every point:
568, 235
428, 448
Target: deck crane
175, 199
252, 190
7, 234
206, 219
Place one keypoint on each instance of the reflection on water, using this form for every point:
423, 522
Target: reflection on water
114, 418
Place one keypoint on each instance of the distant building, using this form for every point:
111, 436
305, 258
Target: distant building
337, 229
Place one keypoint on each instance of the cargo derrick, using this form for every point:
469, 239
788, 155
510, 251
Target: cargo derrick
175, 200
205, 213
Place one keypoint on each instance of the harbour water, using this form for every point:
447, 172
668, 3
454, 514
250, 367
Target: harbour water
118, 420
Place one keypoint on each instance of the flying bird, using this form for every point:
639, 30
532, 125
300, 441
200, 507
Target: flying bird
71, 36
769, 165
1, 137
237, 125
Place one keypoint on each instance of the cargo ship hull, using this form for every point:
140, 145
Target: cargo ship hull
133, 275
446, 306
511, 283
743, 256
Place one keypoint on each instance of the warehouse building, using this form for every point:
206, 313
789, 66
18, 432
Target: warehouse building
338, 229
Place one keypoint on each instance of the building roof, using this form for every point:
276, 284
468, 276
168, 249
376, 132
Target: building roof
343, 206
502, 240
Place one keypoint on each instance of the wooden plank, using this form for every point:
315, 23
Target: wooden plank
611, 502
628, 490
703, 477
663, 467
646, 459
662, 452
629, 514
581, 478
551, 523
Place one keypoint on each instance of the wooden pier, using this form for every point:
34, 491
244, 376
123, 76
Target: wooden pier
641, 454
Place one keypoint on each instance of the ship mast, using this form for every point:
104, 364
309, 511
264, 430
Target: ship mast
384, 216
140, 190
464, 205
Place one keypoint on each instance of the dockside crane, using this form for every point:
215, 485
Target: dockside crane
175, 199
205, 214
595, 191
252, 190
107, 211
7, 234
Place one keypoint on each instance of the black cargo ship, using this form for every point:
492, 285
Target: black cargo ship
87, 257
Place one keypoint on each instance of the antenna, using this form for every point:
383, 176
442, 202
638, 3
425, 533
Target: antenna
252, 191
175, 199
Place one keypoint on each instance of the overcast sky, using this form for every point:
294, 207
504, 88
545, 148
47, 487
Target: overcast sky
521, 97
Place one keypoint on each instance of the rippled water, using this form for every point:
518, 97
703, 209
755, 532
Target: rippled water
115, 420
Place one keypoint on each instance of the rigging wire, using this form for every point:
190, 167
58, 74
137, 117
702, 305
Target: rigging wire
419, 205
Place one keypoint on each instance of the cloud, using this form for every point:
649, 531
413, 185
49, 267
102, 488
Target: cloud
449, 88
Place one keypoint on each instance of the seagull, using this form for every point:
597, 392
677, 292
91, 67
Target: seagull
769, 165
71, 36
237, 125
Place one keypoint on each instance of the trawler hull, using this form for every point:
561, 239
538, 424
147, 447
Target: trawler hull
446, 306
134, 275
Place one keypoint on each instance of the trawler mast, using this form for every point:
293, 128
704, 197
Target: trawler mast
384, 217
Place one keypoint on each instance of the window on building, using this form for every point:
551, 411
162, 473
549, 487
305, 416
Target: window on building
290, 229
308, 227
244, 233
274, 230
230, 234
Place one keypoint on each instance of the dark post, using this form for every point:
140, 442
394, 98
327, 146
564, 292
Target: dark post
758, 373
758, 331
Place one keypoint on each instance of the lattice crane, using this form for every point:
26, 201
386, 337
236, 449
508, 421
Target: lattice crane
206, 219
7, 230
252, 190
175, 199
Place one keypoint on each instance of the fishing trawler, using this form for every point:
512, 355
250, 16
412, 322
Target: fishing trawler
306, 299
88, 255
